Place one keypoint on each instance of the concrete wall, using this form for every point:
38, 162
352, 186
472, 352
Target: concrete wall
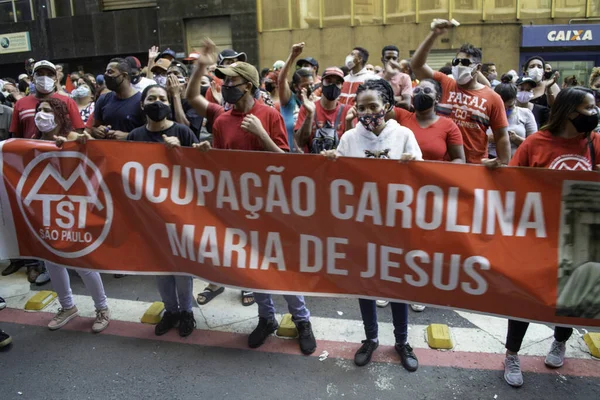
500, 41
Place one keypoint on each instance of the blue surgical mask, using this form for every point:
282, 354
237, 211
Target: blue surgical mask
509, 112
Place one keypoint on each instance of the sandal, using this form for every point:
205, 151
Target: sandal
208, 295
247, 296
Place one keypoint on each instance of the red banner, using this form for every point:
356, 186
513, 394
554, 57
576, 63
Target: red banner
513, 242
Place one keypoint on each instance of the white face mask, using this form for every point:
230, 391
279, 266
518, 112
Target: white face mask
45, 121
536, 74
161, 80
44, 84
461, 74
350, 62
524, 97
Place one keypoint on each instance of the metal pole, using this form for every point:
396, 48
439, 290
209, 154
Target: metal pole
259, 21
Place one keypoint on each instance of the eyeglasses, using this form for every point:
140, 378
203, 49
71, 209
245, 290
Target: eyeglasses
465, 62
426, 90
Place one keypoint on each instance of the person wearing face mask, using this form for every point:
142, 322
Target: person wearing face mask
373, 137
548, 71
138, 82
311, 65
566, 142
525, 86
473, 106
271, 87
321, 124
491, 74
595, 86
159, 71
84, 96
290, 98
182, 110
355, 62
118, 112
546, 90
438, 137
521, 121
254, 127
44, 77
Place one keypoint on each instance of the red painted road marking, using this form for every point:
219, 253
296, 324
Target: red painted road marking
342, 350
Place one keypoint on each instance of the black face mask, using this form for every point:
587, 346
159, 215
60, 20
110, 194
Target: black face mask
548, 75
423, 102
331, 92
11, 98
157, 111
23, 86
585, 123
203, 90
112, 82
135, 79
231, 94
269, 86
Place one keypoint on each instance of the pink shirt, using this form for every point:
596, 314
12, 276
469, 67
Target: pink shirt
400, 82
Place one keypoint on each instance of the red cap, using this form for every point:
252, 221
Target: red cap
333, 71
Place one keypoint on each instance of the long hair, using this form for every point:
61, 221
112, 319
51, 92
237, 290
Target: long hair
506, 89
566, 102
382, 87
61, 116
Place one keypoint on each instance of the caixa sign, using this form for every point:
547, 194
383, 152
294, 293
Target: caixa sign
561, 35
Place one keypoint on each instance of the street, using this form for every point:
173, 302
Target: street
128, 362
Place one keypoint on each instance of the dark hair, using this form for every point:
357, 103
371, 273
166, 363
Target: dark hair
264, 72
390, 47
471, 51
23, 86
89, 76
181, 67
61, 116
299, 74
364, 54
485, 67
10, 80
123, 65
571, 81
90, 85
381, 86
148, 88
566, 102
345, 70
506, 89
531, 59
446, 70
436, 85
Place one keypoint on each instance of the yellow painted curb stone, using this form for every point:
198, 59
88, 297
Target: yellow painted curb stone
592, 339
438, 336
153, 314
287, 328
40, 300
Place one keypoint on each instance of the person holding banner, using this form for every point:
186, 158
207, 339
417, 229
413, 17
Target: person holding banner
566, 142
373, 137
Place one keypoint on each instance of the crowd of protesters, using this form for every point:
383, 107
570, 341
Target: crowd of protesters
464, 113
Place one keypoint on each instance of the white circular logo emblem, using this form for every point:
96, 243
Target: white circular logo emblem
571, 162
65, 203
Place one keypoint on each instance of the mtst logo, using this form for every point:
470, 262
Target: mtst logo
65, 203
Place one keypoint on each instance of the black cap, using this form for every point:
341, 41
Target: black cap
526, 79
228, 54
309, 60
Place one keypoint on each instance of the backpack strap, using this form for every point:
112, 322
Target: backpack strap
338, 117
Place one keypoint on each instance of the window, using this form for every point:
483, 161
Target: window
62, 8
15, 11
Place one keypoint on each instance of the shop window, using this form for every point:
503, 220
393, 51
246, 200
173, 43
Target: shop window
15, 11
536, 9
570, 8
429, 9
400, 11
500, 10
467, 10
305, 14
275, 14
337, 13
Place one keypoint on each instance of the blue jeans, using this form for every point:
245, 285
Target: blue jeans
368, 310
296, 306
176, 292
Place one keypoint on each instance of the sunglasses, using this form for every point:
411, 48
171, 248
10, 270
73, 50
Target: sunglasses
426, 90
465, 62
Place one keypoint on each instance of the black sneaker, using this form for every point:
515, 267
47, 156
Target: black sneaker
407, 356
5, 339
169, 320
265, 328
187, 323
364, 354
14, 266
306, 338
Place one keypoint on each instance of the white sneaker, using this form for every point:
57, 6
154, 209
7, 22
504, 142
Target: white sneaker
417, 307
382, 303
102, 320
556, 356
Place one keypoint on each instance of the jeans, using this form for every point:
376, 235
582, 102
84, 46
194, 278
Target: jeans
296, 307
517, 329
368, 311
62, 284
176, 292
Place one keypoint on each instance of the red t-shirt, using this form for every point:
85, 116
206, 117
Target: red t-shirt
323, 118
23, 122
434, 139
90, 121
228, 133
543, 150
474, 111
